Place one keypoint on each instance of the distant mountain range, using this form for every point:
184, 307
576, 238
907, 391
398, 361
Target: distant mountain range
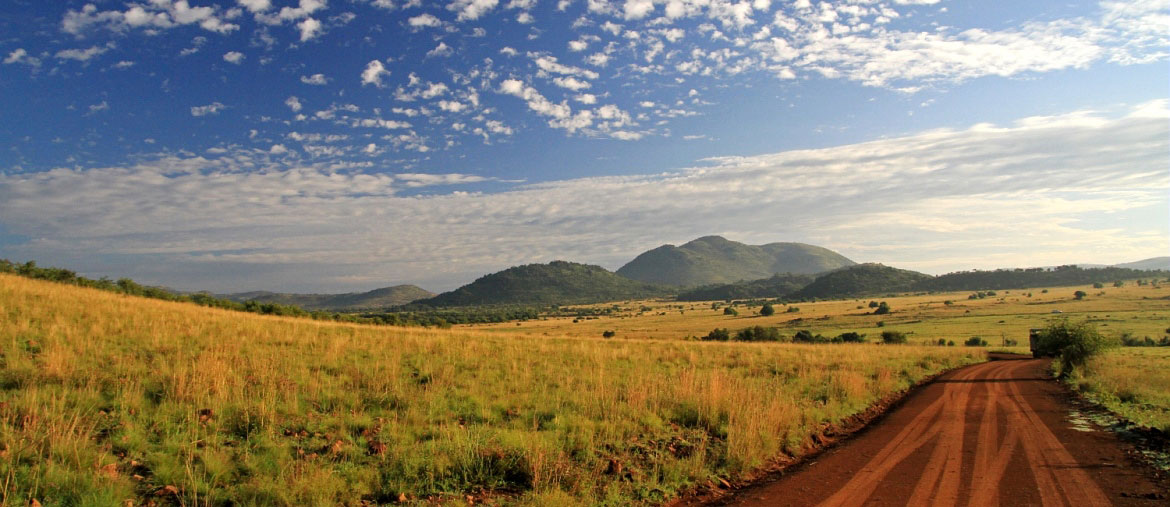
557, 282
713, 259
375, 299
708, 268
1162, 263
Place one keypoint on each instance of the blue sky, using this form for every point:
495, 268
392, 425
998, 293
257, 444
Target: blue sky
336, 145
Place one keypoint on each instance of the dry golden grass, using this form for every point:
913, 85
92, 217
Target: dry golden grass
106, 398
1141, 310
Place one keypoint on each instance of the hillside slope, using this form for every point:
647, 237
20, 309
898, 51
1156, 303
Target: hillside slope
558, 282
778, 285
1160, 263
860, 280
378, 298
713, 260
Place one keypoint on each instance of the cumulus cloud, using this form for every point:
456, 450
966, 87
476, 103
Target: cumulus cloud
156, 15
81, 55
20, 55
315, 80
234, 57
470, 10
210, 109
424, 20
294, 103
374, 73
1029, 192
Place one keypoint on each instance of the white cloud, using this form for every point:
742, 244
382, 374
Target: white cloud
424, 20
20, 55
315, 79
102, 106
470, 10
374, 73
82, 55
1029, 193
156, 15
294, 103
441, 51
210, 109
525, 18
255, 5
235, 57
309, 28
571, 83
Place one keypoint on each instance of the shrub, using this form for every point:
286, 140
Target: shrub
767, 310
1080, 294
806, 336
717, 335
1098, 285
893, 337
942, 342
975, 341
792, 309
758, 334
851, 337
608, 334
729, 311
1073, 344
882, 309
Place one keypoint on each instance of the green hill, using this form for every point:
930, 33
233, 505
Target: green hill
378, 298
1031, 277
557, 282
778, 285
860, 280
1154, 263
714, 260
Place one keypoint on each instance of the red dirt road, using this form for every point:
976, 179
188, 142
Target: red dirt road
990, 434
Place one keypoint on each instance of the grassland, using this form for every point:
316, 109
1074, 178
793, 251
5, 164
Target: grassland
1133, 382
1140, 310
106, 398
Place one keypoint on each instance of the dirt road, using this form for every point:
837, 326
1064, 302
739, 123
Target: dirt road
991, 434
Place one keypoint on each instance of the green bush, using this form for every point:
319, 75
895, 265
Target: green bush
851, 337
767, 310
975, 341
717, 335
730, 311
882, 309
1073, 344
893, 337
758, 334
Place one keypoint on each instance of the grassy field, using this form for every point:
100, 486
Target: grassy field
106, 398
1140, 310
1133, 382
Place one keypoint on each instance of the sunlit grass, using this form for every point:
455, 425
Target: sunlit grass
106, 398
1134, 382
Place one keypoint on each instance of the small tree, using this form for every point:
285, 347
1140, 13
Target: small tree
975, 341
893, 337
1098, 285
1080, 294
727, 310
608, 334
767, 310
882, 309
1073, 344
718, 335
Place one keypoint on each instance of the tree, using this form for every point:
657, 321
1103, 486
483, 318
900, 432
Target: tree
893, 337
718, 335
767, 310
605, 334
1073, 344
729, 311
1080, 294
882, 309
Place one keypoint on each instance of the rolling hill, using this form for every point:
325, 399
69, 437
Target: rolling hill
558, 282
860, 280
1153, 263
378, 298
778, 285
714, 260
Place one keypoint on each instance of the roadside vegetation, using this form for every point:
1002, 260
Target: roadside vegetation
106, 397
1133, 382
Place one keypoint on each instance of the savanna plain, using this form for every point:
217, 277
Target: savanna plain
109, 399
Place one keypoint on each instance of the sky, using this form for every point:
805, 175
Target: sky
345, 145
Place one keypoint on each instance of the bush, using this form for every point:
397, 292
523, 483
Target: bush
792, 309
1080, 294
882, 309
975, 341
851, 337
606, 334
1073, 344
767, 310
1098, 285
758, 334
730, 311
717, 335
806, 336
893, 337
942, 342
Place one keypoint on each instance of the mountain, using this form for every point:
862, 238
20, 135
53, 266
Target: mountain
778, 285
713, 260
377, 298
1023, 278
1162, 263
557, 282
860, 280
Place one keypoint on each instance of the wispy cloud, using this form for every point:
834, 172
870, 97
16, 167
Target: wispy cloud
1032, 192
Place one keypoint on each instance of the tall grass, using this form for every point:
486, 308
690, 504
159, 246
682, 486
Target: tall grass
106, 398
1132, 382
